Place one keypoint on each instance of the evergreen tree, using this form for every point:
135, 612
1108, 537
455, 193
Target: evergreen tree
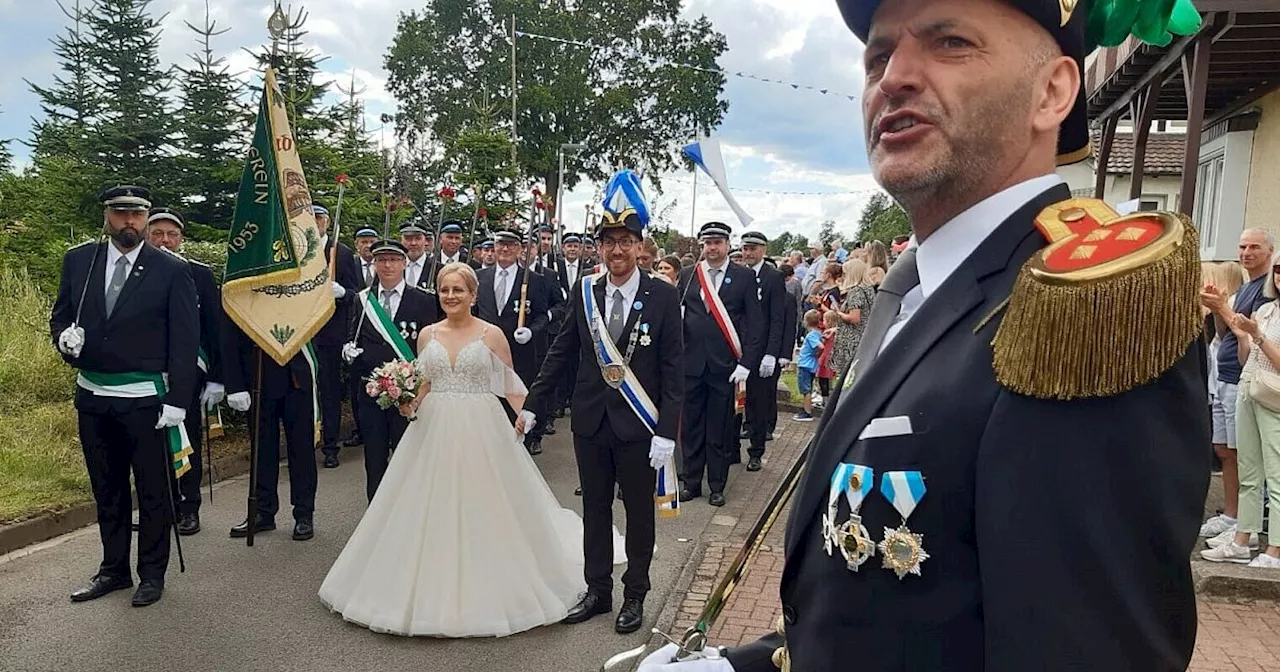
6, 157
72, 103
212, 131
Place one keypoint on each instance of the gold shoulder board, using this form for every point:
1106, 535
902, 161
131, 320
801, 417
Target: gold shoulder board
1110, 304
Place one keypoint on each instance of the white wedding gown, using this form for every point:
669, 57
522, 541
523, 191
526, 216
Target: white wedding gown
464, 538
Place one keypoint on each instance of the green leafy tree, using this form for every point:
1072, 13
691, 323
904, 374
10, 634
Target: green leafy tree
625, 99
882, 220
787, 242
827, 234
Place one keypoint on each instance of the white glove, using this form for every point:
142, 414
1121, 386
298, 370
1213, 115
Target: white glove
71, 340
707, 661
171, 416
239, 401
784, 363
350, 352
525, 422
338, 290
739, 375
660, 450
213, 393
767, 366
523, 335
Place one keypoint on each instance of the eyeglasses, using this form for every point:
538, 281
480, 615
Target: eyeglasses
621, 243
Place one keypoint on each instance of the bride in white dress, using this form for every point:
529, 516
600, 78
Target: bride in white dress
464, 538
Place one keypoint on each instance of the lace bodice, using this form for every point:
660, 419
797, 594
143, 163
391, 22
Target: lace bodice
471, 374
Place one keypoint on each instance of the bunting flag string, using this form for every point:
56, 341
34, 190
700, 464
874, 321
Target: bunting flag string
711, 187
721, 71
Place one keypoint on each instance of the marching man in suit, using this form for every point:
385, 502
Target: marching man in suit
365, 237
328, 341
626, 404
126, 319
165, 230
571, 271
499, 303
1015, 410
389, 316
417, 240
762, 386
450, 244
724, 337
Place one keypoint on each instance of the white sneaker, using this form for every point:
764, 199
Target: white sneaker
1216, 525
1229, 534
1227, 553
1266, 561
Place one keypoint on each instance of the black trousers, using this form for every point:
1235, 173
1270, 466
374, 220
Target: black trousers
329, 380
189, 483
564, 389
603, 458
293, 411
355, 390
707, 430
381, 431
762, 411
114, 445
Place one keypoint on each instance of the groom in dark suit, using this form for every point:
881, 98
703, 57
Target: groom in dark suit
641, 318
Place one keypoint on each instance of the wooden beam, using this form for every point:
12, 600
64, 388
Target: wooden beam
1141, 129
1169, 60
1199, 78
1104, 157
1264, 87
1238, 5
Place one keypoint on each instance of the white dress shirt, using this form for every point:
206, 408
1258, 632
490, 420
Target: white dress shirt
497, 282
943, 252
629, 290
114, 254
718, 278
397, 293
448, 260
413, 271
756, 269
571, 268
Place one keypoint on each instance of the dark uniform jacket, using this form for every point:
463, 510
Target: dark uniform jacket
707, 351
348, 275
416, 311
524, 357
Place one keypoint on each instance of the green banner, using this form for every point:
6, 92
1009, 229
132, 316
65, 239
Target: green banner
259, 250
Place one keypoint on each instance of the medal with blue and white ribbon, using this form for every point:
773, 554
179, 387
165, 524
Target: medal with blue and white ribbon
851, 537
903, 550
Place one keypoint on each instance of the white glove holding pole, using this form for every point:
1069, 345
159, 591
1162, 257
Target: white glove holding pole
350, 352
523, 335
171, 416
739, 375
240, 401
338, 290
212, 395
71, 341
660, 450
709, 660
768, 364
525, 422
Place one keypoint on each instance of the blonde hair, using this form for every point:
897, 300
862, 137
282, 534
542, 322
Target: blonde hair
875, 275
812, 318
855, 273
1227, 276
831, 319
458, 268
1269, 287
877, 255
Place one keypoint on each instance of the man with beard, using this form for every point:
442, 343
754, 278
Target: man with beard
498, 302
126, 318
165, 230
328, 341
1020, 369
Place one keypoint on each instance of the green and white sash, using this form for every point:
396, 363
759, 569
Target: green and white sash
309, 354
385, 326
140, 385
202, 360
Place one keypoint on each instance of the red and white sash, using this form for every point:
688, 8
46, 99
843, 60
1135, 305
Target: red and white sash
716, 307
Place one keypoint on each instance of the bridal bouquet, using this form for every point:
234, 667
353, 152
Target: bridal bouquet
393, 384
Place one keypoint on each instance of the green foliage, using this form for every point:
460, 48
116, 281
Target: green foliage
827, 234
882, 220
786, 242
213, 254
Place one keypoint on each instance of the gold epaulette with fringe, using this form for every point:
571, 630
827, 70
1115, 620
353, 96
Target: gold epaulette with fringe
1110, 304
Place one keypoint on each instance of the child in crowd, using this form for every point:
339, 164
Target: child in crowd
830, 322
807, 363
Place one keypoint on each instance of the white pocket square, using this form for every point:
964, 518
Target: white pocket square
881, 427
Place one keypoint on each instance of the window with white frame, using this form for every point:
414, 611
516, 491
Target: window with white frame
1208, 196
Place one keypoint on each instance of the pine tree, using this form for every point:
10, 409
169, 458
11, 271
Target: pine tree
135, 139
6, 157
72, 103
211, 131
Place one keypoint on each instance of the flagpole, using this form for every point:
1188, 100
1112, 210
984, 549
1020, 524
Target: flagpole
693, 207
514, 136
252, 519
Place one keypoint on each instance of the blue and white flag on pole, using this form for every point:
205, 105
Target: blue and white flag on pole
706, 154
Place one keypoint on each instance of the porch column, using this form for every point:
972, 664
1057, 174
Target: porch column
1104, 156
1195, 72
1142, 111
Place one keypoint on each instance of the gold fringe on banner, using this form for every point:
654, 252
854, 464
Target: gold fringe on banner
1103, 336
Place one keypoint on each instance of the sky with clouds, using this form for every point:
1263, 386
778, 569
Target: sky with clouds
794, 157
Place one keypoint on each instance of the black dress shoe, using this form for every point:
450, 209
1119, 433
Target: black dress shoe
753, 464
188, 524
716, 499
148, 592
550, 430
590, 605
630, 616
264, 525
353, 441
559, 413
330, 461
303, 529
686, 494
534, 446
101, 585
578, 491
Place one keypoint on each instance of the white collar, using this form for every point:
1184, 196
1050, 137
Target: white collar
450, 259
398, 289
629, 288
759, 265
572, 262
706, 265
500, 267
943, 252
324, 240
418, 261
114, 254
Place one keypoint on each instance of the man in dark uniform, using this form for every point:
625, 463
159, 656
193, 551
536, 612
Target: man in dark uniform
551, 266
641, 317
762, 386
724, 343
499, 303
417, 240
126, 318
403, 312
572, 270
365, 237
165, 230
1007, 391
450, 244
328, 341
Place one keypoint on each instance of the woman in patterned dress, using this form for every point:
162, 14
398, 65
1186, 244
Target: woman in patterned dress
854, 310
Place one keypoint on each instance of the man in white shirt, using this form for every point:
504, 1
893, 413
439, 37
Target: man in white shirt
417, 242
365, 237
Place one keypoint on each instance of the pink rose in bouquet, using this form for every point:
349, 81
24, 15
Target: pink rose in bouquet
393, 384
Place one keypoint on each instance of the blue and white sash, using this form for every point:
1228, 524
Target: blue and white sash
637, 399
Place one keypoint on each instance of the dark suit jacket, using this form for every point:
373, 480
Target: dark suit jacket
239, 365
790, 316
348, 275
416, 311
210, 304
772, 292
707, 352
155, 327
1058, 531
524, 357
657, 366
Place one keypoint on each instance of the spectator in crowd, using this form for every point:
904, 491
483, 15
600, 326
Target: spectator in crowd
798, 266
688, 260
1228, 277
791, 283
830, 321
875, 275
669, 269
826, 295
648, 254
878, 256
853, 311
1257, 427
807, 364
837, 248
817, 261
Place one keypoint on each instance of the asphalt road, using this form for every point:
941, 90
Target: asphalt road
239, 609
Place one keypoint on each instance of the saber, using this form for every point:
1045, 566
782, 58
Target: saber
337, 219
695, 638
475, 219
89, 278
528, 263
